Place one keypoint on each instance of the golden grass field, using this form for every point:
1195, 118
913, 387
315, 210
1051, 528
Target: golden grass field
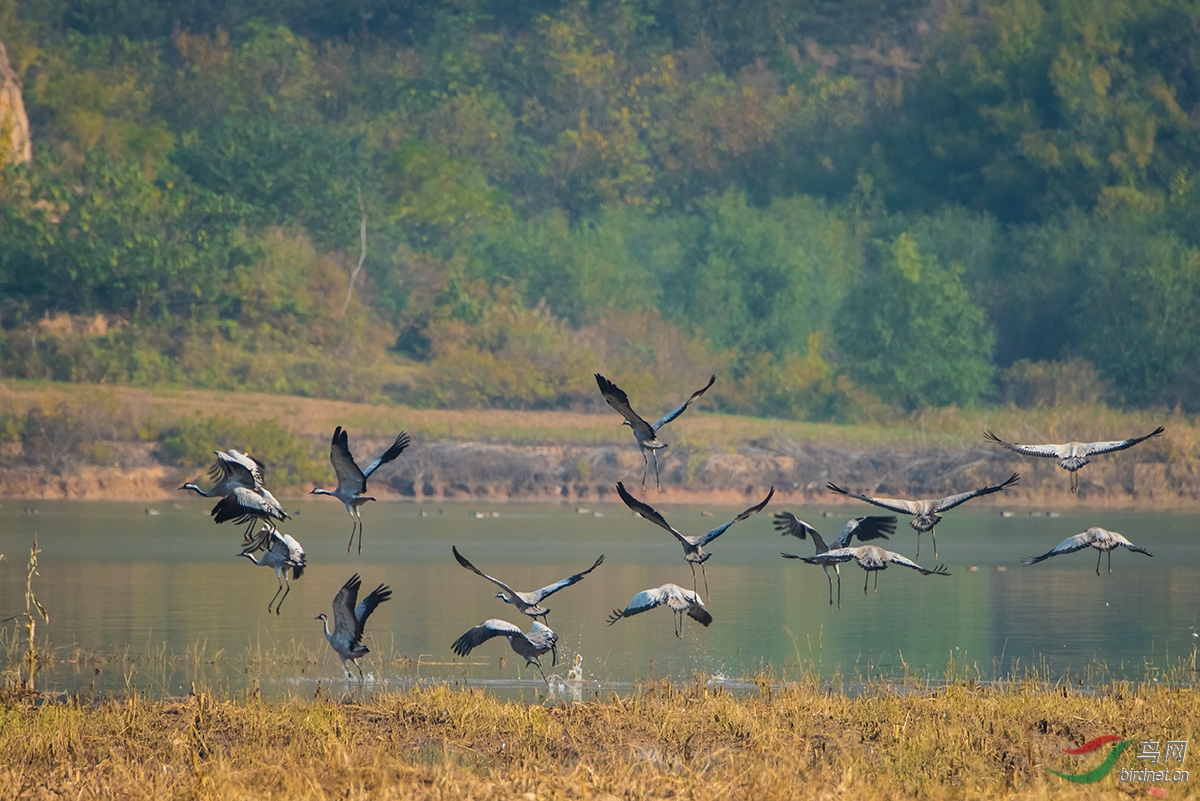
800, 740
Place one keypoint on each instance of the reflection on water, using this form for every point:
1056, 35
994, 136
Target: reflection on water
165, 593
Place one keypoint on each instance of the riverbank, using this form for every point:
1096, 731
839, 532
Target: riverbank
802, 740
577, 457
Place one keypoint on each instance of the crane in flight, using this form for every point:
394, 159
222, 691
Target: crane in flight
352, 481
867, 528
677, 599
349, 617
1104, 541
282, 553
238, 482
528, 603
870, 558
645, 434
531, 646
926, 513
693, 547
1071, 455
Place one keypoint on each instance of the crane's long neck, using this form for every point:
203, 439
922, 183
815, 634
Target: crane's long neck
320, 491
328, 634
196, 490
251, 557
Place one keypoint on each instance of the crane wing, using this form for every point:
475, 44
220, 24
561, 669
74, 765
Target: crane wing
345, 625
671, 415
894, 504
643, 601
787, 524
898, 559
1108, 447
485, 631
954, 500
550, 589
367, 605
348, 475
649, 512
753, 510
616, 398
397, 447
462, 560
871, 527
1049, 451
1069, 545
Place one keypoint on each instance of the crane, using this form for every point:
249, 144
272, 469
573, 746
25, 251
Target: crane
282, 553
645, 434
1071, 455
927, 512
531, 646
693, 547
870, 558
528, 603
349, 620
244, 497
677, 599
865, 528
1102, 540
352, 482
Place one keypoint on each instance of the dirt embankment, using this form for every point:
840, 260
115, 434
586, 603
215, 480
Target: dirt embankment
448, 471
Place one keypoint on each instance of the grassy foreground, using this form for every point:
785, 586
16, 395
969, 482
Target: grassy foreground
801, 740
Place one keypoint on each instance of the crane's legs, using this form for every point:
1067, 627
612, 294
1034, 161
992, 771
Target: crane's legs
657, 482
679, 625
1074, 481
276, 595
866, 581
876, 581
288, 585
830, 580
357, 518
1110, 563
1100, 554
933, 533
703, 573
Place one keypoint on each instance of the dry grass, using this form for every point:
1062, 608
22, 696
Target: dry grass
802, 740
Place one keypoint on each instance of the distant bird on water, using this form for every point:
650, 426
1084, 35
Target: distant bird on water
645, 434
282, 553
693, 547
349, 620
926, 512
865, 528
244, 497
677, 599
1102, 540
528, 603
352, 482
538, 641
870, 558
1071, 455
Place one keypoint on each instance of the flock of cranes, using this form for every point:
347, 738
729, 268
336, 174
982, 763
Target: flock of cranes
238, 483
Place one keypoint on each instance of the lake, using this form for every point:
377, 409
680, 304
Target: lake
153, 597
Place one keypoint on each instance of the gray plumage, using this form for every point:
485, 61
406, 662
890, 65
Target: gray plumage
676, 598
239, 482
1101, 539
352, 481
349, 617
693, 547
282, 553
870, 558
645, 434
926, 513
1071, 455
531, 646
528, 603
865, 528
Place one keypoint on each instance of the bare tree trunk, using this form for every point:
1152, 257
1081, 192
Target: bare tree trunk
362, 232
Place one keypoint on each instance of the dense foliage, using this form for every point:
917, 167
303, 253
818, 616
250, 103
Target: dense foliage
834, 205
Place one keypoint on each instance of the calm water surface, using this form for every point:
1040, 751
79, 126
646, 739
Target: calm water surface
166, 591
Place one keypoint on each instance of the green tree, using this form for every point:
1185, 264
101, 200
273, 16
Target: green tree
909, 331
